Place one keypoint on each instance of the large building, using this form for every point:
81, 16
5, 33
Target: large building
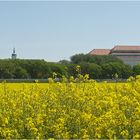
128, 54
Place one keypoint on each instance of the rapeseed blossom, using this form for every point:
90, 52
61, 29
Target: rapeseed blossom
81, 109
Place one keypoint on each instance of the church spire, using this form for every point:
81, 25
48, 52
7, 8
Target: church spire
14, 50
14, 55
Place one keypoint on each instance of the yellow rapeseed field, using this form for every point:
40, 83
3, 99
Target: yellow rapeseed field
88, 110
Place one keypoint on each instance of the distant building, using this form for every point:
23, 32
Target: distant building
14, 55
128, 54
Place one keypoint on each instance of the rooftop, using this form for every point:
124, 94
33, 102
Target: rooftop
100, 52
125, 48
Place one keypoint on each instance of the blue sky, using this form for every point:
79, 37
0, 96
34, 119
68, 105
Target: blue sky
56, 30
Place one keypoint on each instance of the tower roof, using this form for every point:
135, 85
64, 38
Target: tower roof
14, 51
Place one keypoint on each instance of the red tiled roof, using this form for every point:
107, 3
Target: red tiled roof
100, 52
126, 48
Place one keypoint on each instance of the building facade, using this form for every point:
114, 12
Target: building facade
128, 54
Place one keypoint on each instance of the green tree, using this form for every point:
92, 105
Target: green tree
113, 68
136, 69
94, 70
64, 62
7, 69
71, 70
59, 69
20, 73
97, 59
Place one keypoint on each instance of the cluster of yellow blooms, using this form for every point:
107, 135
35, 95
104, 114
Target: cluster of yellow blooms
88, 110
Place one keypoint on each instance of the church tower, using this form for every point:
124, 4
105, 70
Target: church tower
14, 55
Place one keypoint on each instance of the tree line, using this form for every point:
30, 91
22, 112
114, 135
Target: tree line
98, 67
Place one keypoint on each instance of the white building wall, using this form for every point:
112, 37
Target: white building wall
130, 60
